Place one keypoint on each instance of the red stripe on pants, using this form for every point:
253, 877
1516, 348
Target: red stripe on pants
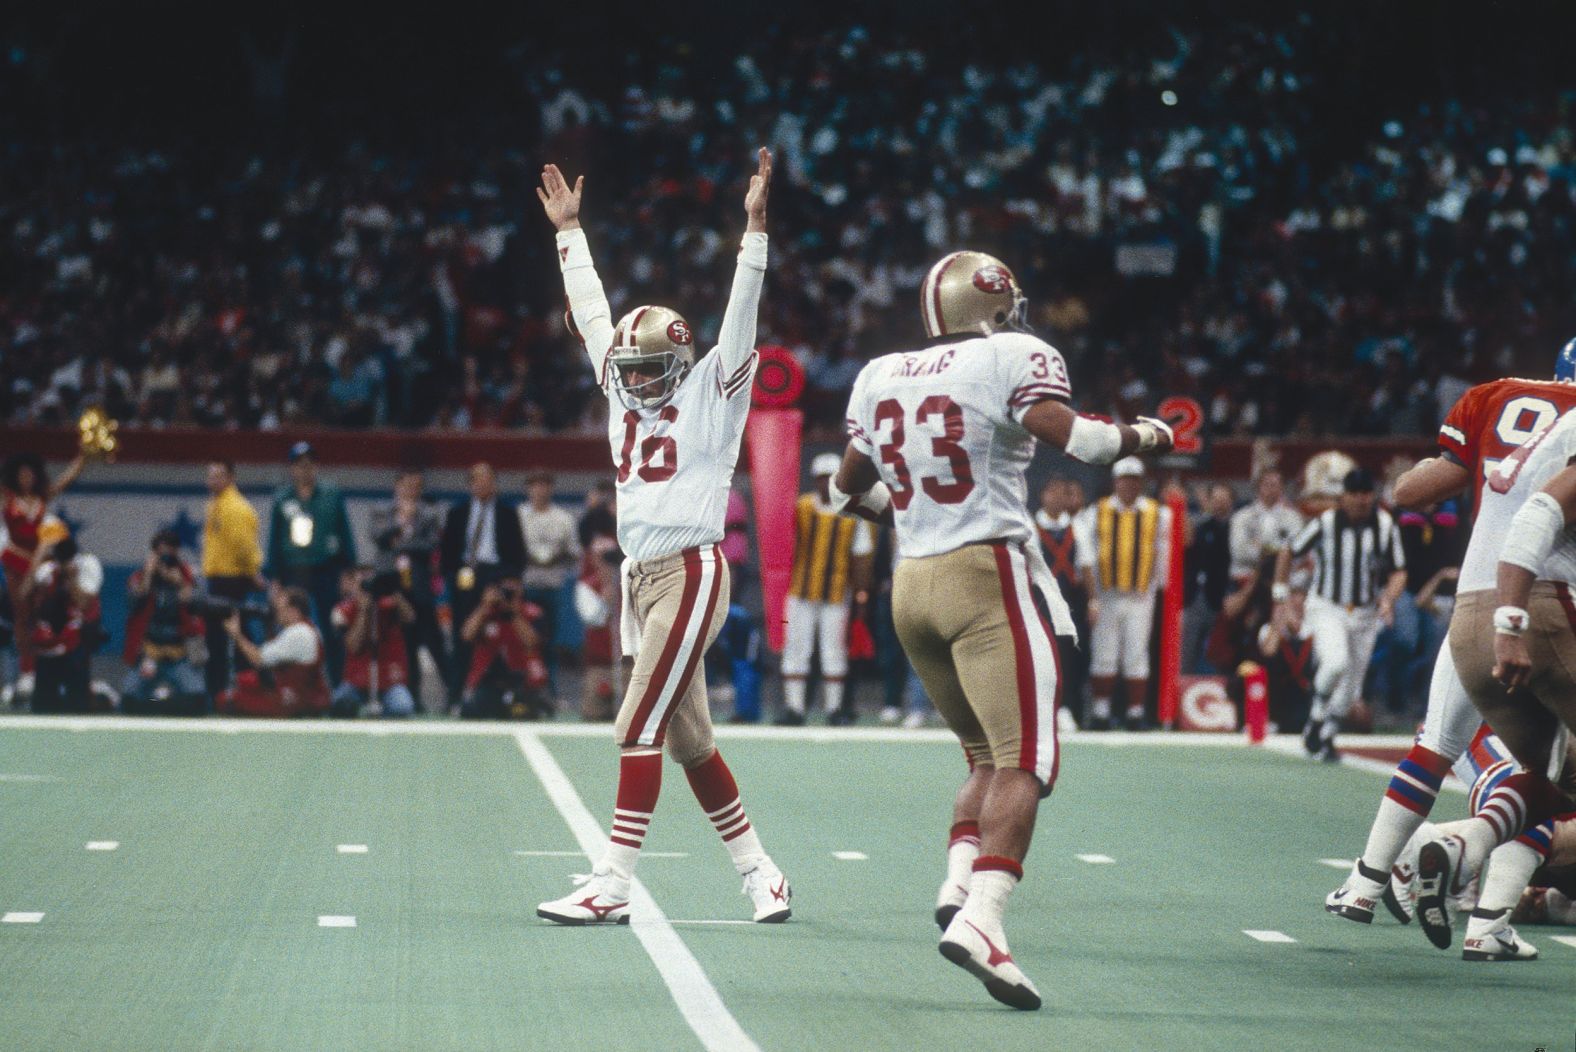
699, 648
1028, 722
670, 650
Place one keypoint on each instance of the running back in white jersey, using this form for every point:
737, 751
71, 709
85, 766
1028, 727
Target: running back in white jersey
943, 426
1512, 482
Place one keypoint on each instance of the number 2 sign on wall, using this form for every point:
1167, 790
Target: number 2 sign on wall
1186, 418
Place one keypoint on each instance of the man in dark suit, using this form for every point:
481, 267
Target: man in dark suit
482, 543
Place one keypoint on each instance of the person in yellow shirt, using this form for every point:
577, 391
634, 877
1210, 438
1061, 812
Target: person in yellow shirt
831, 565
232, 561
1127, 560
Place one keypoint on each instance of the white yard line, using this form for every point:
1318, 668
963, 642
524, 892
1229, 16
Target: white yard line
850, 856
1268, 936
697, 999
1096, 860
1291, 745
103, 845
582, 854
1565, 940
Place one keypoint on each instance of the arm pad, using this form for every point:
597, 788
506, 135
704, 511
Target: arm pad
869, 505
1094, 441
1532, 533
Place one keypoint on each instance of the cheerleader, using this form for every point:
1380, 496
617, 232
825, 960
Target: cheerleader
25, 496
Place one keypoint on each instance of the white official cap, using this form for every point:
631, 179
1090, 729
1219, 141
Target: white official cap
825, 464
1127, 466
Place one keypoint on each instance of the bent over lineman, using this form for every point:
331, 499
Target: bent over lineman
675, 445
953, 427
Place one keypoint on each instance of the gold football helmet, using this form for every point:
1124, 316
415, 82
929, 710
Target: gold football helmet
970, 292
647, 341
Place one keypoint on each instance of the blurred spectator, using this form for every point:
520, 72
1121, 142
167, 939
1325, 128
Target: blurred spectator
891, 659
507, 677
1057, 523
831, 568
162, 679
1263, 527
25, 496
552, 549
1207, 565
407, 532
285, 677
481, 544
310, 543
1290, 653
1434, 543
62, 594
1127, 559
232, 563
597, 600
600, 516
371, 619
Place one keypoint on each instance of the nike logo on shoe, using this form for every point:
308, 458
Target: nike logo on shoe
600, 912
996, 956
780, 892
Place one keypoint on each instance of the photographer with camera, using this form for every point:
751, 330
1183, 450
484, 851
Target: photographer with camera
286, 678
162, 679
371, 618
407, 532
507, 677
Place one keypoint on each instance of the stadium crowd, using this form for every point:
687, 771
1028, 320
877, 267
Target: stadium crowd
1185, 210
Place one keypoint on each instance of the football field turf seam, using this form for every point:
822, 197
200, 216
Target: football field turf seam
693, 992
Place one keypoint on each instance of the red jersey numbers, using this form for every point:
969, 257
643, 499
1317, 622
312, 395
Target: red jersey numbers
937, 412
659, 454
1052, 369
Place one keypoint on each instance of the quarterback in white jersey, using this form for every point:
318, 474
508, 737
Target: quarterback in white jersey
675, 424
941, 438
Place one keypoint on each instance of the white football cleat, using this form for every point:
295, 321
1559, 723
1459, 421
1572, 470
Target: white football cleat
601, 898
914, 721
891, 715
1356, 898
768, 889
1491, 938
984, 955
1438, 877
949, 900
1400, 894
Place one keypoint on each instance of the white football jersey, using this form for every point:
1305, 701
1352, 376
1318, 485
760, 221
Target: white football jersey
943, 427
1510, 485
674, 463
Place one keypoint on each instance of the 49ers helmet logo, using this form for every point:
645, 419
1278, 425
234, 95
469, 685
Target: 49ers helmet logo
679, 332
992, 279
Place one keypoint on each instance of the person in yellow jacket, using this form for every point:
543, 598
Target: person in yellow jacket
831, 565
1127, 562
232, 561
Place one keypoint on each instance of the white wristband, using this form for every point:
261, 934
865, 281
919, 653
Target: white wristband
1532, 533
1510, 620
1094, 441
1280, 591
868, 505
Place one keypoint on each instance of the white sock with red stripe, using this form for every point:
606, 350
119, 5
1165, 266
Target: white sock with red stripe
1520, 801
718, 794
990, 886
963, 847
639, 783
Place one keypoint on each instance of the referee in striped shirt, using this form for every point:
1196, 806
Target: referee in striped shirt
1358, 573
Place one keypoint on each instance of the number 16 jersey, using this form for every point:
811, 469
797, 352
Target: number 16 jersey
944, 427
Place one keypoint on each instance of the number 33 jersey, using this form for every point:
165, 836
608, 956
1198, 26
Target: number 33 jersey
943, 426
1512, 482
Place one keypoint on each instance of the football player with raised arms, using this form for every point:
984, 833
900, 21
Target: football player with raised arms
675, 423
939, 438
1485, 426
